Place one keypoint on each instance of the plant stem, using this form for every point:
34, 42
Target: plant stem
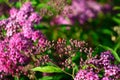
68, 73
64, 71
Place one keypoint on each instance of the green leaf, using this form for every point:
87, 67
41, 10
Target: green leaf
118, 15
18, 4
2, 17
1, 1
117, 46
69, 1
46, 78
42, 5
107, 31
16, 78
48, 69
117, 20
33, 2
116, 8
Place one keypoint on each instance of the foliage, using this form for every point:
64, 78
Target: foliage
59, 39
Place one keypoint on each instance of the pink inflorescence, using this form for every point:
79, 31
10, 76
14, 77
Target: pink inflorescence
17, 44
105, 64
85, 75
80, 10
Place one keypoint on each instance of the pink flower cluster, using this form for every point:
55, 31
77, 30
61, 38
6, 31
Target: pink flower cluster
85, 75
105, 64
80, 10
19, 42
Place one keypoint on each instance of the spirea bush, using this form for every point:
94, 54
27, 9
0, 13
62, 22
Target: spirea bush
26, 53
95, 66
79, 10
20, 41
